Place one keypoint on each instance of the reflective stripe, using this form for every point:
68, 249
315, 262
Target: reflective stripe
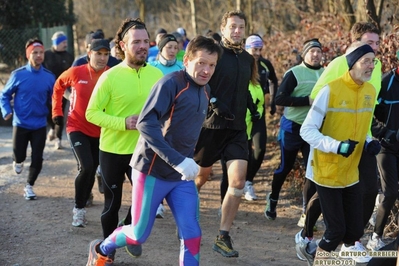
345, 110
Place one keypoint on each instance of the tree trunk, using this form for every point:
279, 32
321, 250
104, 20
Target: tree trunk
372, 12
193, 17
349, 13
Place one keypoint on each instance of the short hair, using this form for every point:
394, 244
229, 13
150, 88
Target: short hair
360, 28
126, 25
33, 40
230, 14
202, 43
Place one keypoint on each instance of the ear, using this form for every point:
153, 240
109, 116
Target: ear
122, 45
185, 61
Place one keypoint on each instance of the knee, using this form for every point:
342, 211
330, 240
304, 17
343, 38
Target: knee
235, 191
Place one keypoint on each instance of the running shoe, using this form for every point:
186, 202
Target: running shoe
18, 167
223, 245
249, 192
29, 194
270, 210
375, 242
96, 259
358, 248
301, 250
161, 211
79, 217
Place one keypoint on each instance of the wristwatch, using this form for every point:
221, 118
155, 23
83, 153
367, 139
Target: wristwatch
213, 100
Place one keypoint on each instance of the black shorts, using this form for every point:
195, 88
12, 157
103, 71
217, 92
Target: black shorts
213, 144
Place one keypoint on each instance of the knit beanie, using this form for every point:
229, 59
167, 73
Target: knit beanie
165, 39
58, 38
356, 54
309, 44
253, 41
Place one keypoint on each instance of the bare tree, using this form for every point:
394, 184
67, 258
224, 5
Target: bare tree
193, 17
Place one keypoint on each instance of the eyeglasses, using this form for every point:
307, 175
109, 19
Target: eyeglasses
369, 62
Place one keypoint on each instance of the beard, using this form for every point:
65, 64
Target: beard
134, 60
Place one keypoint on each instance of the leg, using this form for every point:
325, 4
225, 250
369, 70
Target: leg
202, 176
113, 167
313, 212
20, 141
147, 193
87, 162
236, 176
184, 203
224, 182
259, 138
368, 183
331, 202
389, 183
37, 142
352, 197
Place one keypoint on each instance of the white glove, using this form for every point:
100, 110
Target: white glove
188, 168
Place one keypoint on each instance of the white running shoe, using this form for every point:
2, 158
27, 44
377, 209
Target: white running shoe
298, 238
28, 192
375, 242
51, 135
302, 219
161, 211
249, 192
58, 145
358, 248
79, 217
18, 167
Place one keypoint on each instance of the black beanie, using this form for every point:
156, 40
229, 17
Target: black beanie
309, 44
356, 54
165, 39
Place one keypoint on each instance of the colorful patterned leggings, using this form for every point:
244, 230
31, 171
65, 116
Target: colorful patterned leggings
147, 193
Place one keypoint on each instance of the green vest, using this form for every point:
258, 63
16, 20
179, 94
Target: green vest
306, 79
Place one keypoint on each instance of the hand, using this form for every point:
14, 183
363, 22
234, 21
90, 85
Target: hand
131, 122
188, 169
7, 116
373, 147
391, 136
222, 110
272, 108
346, 147
58, 120
255, 117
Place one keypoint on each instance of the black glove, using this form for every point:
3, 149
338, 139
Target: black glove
346, 147
58, 120
272, 108
390, 136
373, 147
255, 117
222, 110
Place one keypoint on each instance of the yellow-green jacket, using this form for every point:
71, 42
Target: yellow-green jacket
120, 92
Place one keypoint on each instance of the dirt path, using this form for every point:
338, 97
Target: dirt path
40, 232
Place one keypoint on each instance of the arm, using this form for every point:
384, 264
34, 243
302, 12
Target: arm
287, 86
155, 111
310, 130
6, 97
61, 84
99, 100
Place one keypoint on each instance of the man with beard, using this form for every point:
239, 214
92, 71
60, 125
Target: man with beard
115, 104
223, 134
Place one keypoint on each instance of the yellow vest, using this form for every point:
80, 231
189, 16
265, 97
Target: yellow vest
350, 109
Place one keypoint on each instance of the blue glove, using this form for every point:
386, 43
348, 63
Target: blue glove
346, 147
373, 147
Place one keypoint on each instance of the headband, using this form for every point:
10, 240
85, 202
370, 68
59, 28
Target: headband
129, 25
32, 46
59, 40
356, 54
253, 41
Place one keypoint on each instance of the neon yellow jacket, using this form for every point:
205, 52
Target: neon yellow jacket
120, 92
257, 96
